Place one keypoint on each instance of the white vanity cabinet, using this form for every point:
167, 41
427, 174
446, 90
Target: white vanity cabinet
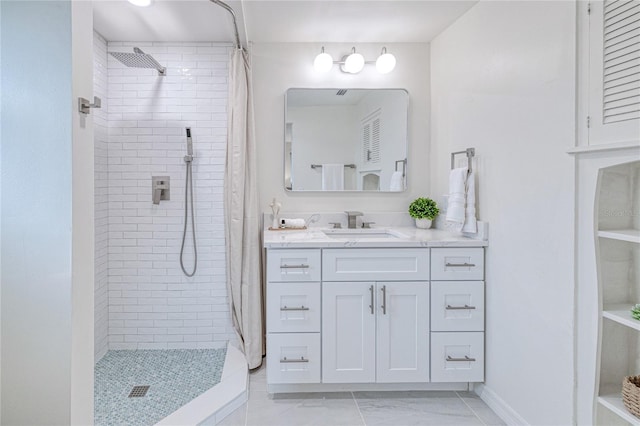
375, 332
457, 314
293, 316
374, 318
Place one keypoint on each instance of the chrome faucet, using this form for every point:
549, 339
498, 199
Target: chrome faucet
351, 218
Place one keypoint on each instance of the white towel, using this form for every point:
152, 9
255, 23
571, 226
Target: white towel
470, 222
332, 177
397, 182
293, 223
457, 190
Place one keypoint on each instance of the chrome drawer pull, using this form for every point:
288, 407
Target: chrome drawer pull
465, 359
289, 361
459, 265
384, 300
301, 308
458, 308
294, 266
372, 302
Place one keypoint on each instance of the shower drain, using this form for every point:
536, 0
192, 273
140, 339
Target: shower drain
138, 391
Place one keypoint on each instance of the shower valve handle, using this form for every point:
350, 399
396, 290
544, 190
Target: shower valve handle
85, 105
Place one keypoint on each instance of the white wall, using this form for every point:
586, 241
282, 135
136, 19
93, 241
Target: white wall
315, 143
279, 66
101, 207
152, 304
36, 212
83, 241
503, 81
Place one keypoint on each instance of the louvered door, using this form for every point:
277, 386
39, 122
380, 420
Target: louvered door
614, 78
371, 138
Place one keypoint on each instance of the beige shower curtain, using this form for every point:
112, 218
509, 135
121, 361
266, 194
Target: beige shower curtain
242, 213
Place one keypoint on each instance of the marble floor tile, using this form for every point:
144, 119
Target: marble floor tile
325, 409
414, 408
359, 408
481, 409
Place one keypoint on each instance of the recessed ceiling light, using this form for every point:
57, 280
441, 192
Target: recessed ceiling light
141, 3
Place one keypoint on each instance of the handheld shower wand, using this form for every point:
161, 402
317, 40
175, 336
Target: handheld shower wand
188, 193
189, 143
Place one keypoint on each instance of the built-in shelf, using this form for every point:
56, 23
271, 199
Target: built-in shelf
622, 315
603, 147
630, 235
614, 403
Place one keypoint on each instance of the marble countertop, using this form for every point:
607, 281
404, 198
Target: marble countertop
314, 237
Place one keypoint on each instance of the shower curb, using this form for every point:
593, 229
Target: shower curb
219, 401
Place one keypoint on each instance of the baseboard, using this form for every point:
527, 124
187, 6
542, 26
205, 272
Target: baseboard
499, 406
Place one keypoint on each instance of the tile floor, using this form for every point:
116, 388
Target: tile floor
175, 377
359, 408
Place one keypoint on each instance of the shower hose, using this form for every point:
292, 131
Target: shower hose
188, 196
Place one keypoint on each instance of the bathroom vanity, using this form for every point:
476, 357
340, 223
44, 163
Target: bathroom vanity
374, 309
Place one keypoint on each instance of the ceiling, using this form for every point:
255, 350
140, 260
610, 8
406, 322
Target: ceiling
265, 21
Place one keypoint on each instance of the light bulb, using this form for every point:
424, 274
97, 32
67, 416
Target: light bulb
354, 63
386, 62
323, 62
141, 3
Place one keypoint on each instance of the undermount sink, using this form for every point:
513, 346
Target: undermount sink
361, 233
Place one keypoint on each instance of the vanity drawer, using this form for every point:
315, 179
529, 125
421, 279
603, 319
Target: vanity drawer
293, 358
457, 306
457, 357
293, 307
395, 264
293, 265
457, 264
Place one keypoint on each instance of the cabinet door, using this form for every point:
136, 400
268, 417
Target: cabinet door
403, 332
348, 332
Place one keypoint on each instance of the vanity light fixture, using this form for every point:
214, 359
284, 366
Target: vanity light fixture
141, 3
323, 62
354, 62
386, 62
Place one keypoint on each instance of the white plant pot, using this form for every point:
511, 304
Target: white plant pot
423, 223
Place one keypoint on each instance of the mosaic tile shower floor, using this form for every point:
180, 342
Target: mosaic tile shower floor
175, 377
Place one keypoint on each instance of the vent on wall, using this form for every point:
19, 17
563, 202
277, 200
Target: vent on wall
621, 98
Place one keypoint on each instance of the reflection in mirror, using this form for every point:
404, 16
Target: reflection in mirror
345, 139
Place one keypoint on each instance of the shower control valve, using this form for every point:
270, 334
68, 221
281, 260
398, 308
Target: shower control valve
159, 188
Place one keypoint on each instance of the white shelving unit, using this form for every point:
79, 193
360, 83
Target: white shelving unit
630, 235
618, 264
614, 403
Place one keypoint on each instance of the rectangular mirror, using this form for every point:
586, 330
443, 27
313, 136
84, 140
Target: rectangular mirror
346, 140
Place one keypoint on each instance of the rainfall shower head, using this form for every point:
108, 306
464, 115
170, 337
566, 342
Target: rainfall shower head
138, 59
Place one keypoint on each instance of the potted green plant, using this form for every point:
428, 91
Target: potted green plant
423, 210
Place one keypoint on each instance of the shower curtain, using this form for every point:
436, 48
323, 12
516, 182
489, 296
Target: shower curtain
244, 269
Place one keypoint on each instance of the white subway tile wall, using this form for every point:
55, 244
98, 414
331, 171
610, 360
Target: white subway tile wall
152, 304
101, 312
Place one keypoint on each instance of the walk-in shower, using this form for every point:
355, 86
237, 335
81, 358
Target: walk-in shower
161, 285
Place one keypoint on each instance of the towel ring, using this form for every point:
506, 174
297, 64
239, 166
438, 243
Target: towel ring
470, 152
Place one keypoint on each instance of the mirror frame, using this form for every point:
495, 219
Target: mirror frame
348, 191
